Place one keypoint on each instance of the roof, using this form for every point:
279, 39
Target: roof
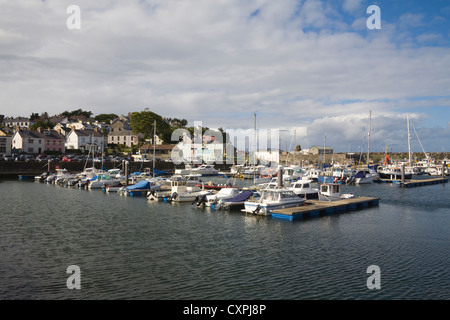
88, 133
52, 134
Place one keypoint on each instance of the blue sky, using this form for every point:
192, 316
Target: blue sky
311, 67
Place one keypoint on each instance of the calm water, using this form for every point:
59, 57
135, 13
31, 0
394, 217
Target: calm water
129, 248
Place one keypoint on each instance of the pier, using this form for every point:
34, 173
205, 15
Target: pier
421, 183
315, 208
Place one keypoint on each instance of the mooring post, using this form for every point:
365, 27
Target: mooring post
403, 175
126, 173
280, 177
443, 169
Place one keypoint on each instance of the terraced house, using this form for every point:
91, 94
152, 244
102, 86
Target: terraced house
38, 141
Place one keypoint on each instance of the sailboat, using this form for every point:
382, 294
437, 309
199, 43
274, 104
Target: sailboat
366, 175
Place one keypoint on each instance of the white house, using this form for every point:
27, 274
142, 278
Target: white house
85, 139
28, 141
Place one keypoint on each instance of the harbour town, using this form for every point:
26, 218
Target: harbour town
224, 158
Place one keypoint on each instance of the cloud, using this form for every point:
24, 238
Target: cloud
298, 64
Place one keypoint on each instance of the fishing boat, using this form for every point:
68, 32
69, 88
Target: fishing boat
303, 189
272, 199
332, 192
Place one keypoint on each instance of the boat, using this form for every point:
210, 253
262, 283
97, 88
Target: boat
363, 176
293, 173
182, 192
272, 199
140, 188
111, 178
205, 170
393, 173
332, 192
238, 202
223, 195
303, 189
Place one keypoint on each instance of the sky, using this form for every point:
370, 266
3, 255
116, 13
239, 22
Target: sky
312, 69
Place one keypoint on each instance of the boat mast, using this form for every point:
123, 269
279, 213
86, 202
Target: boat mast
154, 146
409, 140
368, 137
254, 152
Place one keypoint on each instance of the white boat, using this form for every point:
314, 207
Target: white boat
293, 173
272, 199
223, 195
103, 179
332, 192
303, 189
364, 176
205, 170
181, 192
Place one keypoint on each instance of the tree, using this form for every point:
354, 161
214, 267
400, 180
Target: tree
142, 122
298, 148
106, 117
78, 112
42, 124
34, 116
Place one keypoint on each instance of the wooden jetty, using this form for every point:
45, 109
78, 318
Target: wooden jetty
422, 182
315, 208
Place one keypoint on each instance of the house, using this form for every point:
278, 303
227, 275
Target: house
5, 143
320, 150
20, 122
121, 133
55, 141
38, 141
28, 141
85, 139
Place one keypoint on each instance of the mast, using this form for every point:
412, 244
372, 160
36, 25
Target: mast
254, 152
368, 137
409, 140
154, 146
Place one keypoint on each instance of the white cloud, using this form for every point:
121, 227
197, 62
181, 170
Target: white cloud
215, 62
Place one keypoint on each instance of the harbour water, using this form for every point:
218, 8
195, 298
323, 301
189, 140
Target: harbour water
131, 248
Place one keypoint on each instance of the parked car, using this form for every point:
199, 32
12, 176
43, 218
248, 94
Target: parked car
8, 158
67, 158
42, 158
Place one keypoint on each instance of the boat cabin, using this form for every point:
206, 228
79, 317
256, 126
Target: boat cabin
330, 189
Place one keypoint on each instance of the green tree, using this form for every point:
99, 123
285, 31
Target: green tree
42, 124
105, 117
143, 122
